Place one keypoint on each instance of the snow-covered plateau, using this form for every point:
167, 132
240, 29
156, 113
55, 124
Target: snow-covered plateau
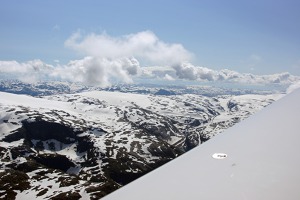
87, 144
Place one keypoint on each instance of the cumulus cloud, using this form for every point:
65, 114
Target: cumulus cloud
30, 66
30, 71
191, 72
89, 70
157, 72
144, 46
106, 59
98, 71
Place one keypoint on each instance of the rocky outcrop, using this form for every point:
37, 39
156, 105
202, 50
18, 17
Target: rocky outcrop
44, 130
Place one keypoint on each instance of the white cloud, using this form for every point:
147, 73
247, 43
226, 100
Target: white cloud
30, 66
145, 46
189, 71
89, 70
30, 71
157, 72
98, 71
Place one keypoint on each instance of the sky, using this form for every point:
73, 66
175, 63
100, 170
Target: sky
171, 39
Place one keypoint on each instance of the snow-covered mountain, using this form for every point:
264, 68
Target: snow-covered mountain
88, 144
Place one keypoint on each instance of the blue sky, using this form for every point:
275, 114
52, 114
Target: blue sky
258, 37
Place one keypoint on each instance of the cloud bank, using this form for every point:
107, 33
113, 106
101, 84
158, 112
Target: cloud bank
107, 59
31, 71
188, 71
89, 70
103, 71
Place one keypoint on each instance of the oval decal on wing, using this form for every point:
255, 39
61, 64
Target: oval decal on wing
219, 155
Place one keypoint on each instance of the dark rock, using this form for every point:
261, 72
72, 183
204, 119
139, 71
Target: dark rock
19, 134
42, 192
67, 195
232, 105
54, 161
11, 180
43, 130
28, 166
68, 181
84, 144
102, 190
195, 122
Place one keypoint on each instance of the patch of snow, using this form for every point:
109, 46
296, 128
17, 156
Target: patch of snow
12, 144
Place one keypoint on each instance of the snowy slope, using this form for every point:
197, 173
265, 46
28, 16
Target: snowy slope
89, 144
262, 162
